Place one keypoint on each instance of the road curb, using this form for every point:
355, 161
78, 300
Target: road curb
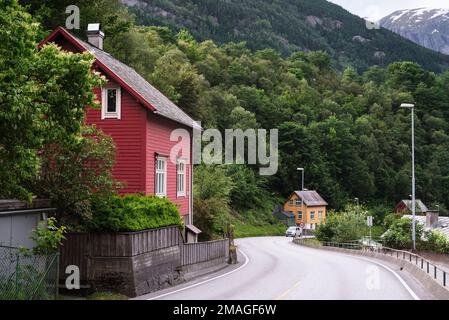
422, 277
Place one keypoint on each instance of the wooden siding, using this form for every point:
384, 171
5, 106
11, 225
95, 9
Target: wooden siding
198, 252
306, 211
129, 138
158, 142
138, 136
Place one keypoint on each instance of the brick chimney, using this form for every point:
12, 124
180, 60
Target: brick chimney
94, 35
431, 218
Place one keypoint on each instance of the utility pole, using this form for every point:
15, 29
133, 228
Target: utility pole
412, 108
302, 179
302, 201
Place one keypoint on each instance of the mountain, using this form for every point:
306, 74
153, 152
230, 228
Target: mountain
424, 26
287, 26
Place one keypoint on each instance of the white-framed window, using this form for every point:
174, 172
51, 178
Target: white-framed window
312, 215
320, 215
300, 215
181, 177
298, 202
111, 102
161, 176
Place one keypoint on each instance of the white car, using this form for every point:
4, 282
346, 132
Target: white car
293, 232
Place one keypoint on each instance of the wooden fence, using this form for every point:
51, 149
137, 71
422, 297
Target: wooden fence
198, 252
80, 248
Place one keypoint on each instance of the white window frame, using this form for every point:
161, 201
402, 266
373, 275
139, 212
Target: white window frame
104, 103
179, 162
160, 192
298, 203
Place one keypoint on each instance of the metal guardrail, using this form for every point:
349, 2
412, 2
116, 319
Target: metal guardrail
438, 274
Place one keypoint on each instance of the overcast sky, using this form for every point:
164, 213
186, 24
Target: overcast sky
376, 9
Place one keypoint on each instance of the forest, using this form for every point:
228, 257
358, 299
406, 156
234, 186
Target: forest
344, 127
287, 26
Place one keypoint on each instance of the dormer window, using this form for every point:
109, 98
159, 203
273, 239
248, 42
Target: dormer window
110, 104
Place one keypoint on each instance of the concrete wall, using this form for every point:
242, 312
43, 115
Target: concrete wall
137, 275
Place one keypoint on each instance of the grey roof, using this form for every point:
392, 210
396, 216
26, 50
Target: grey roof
311, 198
442, 226
193, 229
288, 214
159, 101
420, 206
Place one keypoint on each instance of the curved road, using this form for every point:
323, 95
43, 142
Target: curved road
277, 269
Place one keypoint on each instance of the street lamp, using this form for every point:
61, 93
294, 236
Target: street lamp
412, 107
302, 180
303, 214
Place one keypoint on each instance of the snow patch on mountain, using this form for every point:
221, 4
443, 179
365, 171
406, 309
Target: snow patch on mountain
428, 27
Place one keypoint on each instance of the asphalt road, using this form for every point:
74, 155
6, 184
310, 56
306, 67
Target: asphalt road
275, 268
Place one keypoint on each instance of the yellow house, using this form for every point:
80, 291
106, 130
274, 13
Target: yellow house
308, 207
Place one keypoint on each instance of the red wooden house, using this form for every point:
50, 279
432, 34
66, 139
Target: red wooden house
140, 120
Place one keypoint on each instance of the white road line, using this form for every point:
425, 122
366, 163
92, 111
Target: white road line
205, 281
406, 286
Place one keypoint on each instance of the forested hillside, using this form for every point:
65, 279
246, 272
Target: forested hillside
287, 26
346, 129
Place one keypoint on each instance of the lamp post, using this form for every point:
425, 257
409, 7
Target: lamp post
412, 108
302, 180
302, 201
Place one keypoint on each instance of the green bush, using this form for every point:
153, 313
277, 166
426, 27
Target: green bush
48, 237
434, 241
346, 225
399, 235
133, 213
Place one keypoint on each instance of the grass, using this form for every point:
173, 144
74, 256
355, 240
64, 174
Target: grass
313, 242
245, 229
106, 295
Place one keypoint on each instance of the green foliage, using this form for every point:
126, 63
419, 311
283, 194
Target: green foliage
346, 130
133, 213
48, 237
434, 241
288, 26
28, 283
43, 94
75, 171
245, 229
343, 226
399, 235
211, 200
112, 15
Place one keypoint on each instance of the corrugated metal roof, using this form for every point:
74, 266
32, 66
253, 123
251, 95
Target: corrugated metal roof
443, 223
159, 101
311, 198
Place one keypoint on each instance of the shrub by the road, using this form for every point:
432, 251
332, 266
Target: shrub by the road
399, 236
346, 225
134, 213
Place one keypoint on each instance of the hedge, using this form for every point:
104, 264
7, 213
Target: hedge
133, 213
